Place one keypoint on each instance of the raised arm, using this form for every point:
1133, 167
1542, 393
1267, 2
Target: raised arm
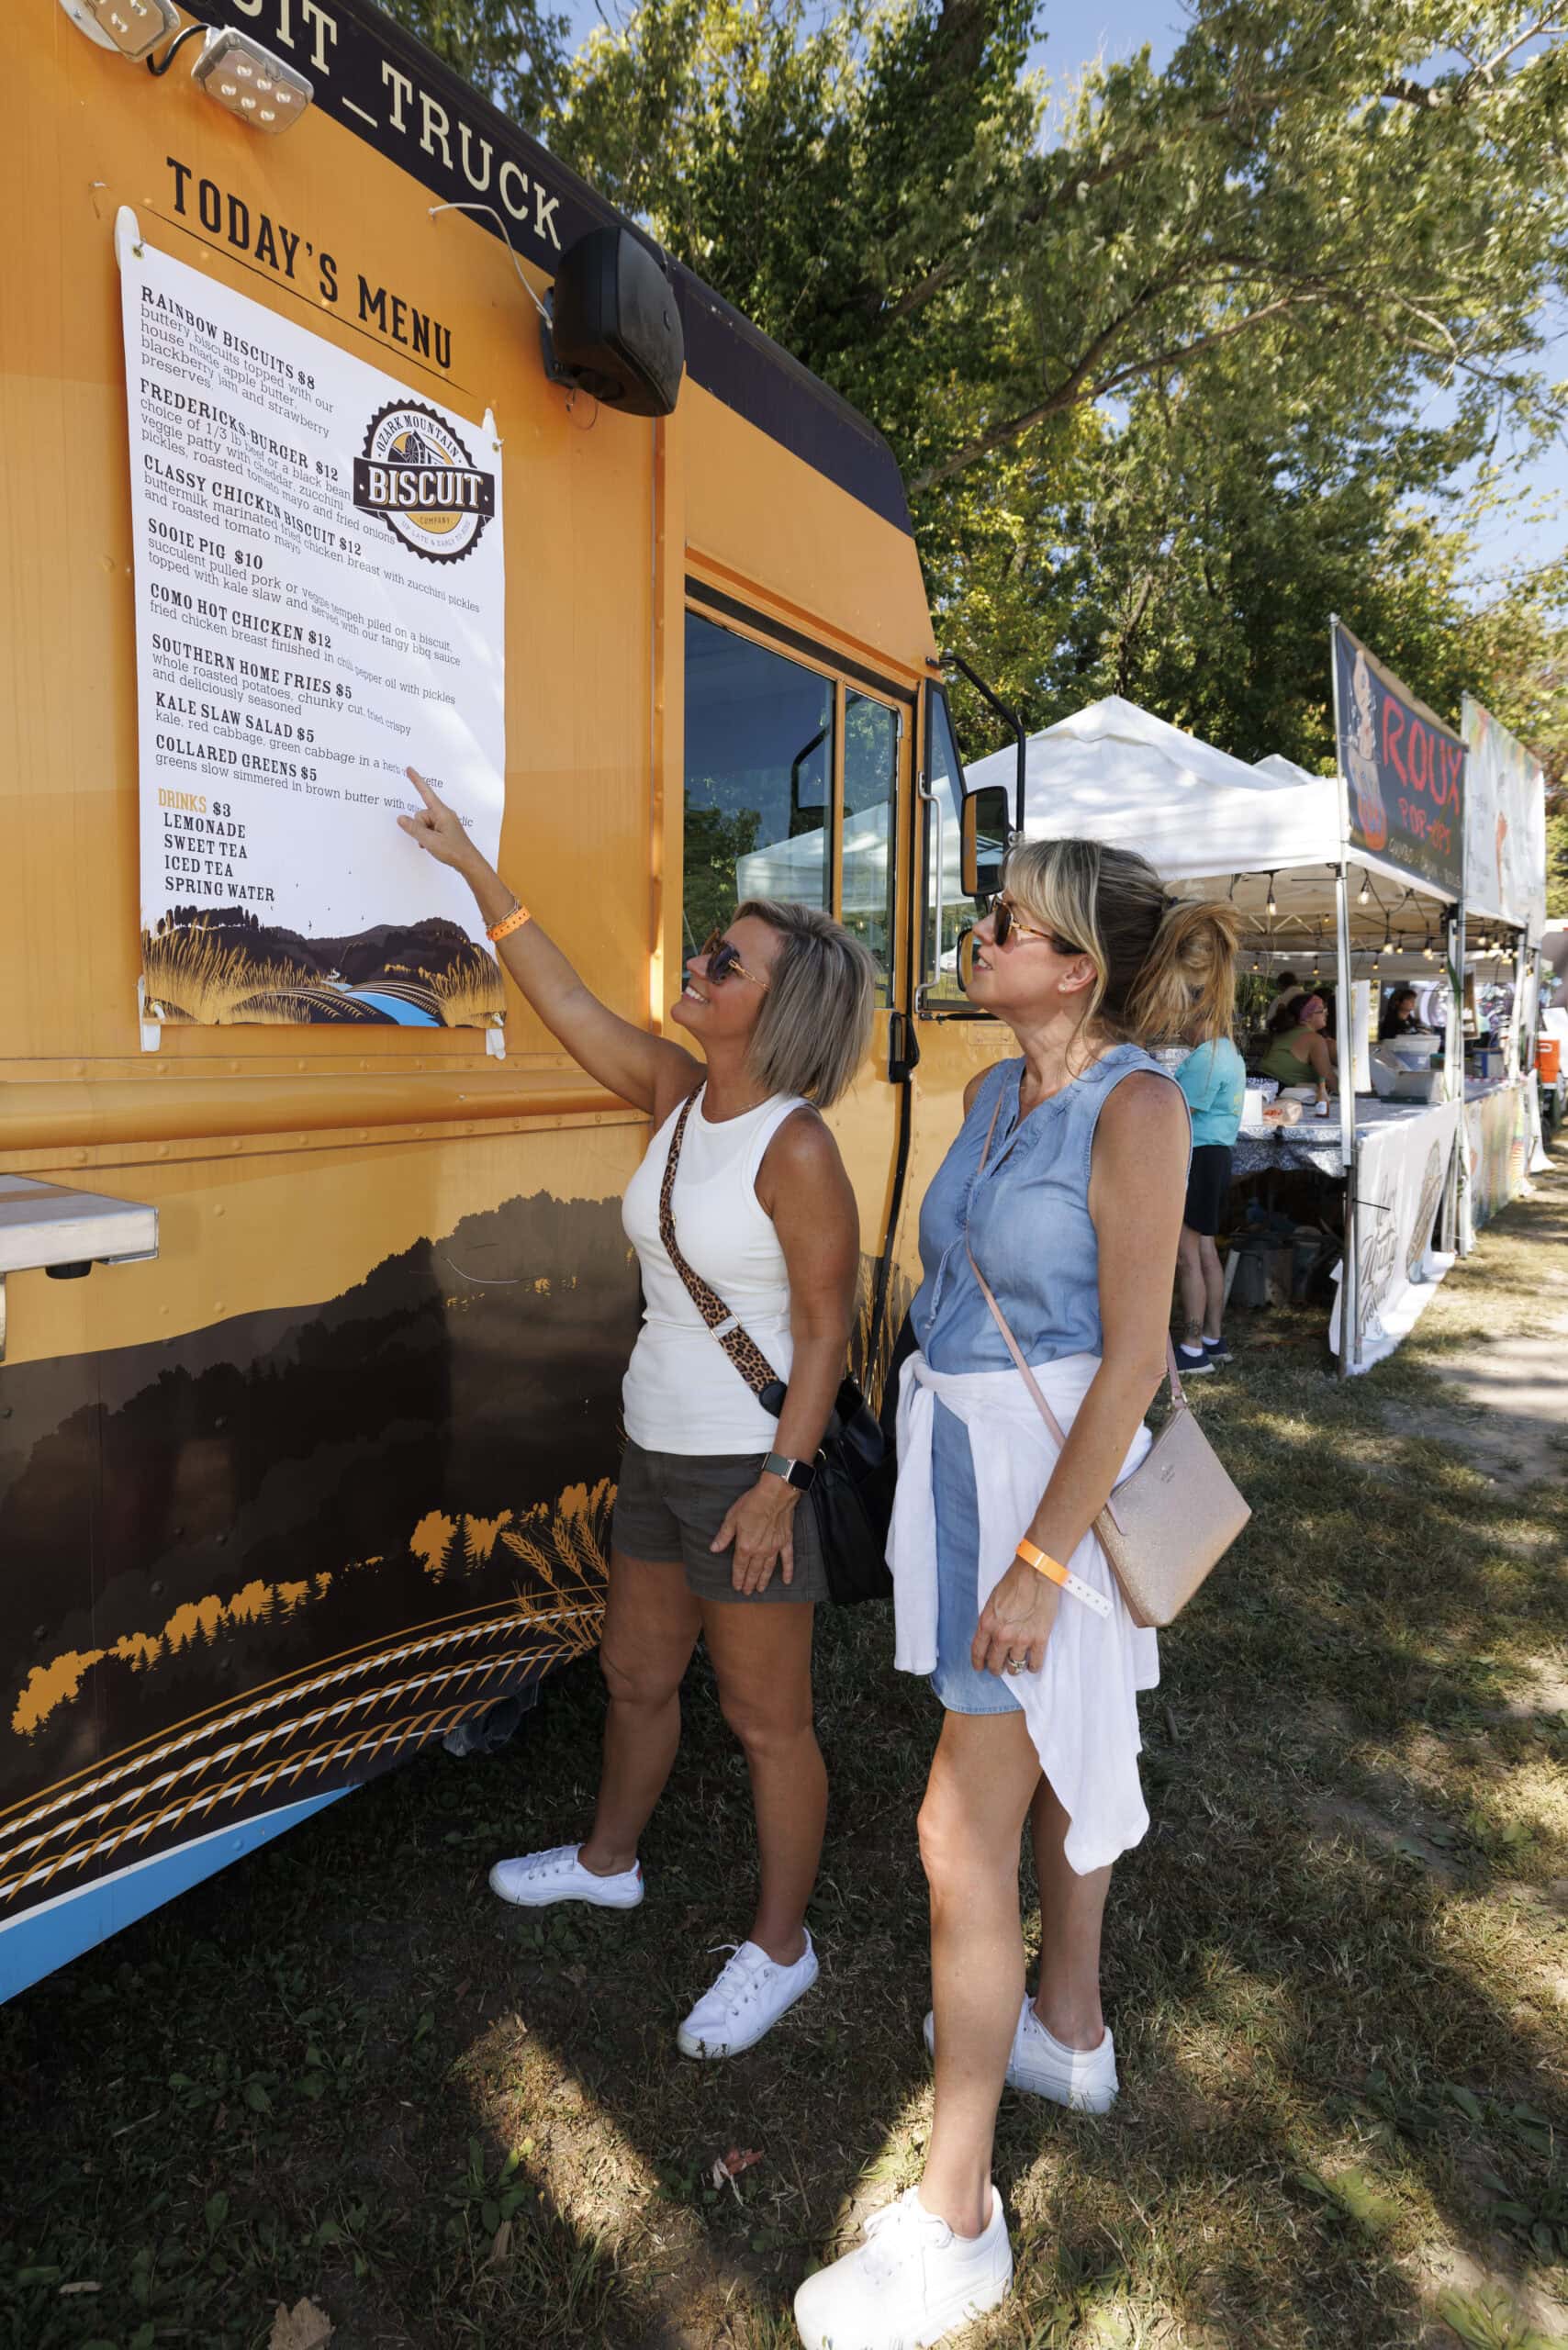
1137, 1188
1320, 1056
648, 1071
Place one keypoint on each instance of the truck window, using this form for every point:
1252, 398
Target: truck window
758, 778
946, 907
870, 793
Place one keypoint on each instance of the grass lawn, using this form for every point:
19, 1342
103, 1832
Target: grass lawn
1337, 1973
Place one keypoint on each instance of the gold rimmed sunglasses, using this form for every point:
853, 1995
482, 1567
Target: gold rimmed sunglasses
1006, 925
723, 958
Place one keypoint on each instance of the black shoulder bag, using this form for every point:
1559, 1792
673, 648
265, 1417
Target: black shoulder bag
852, 1494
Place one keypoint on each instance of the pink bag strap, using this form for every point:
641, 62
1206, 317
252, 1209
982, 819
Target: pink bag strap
1014, 1348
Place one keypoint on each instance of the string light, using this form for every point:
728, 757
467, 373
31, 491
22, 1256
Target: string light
1273, 907
1363, 892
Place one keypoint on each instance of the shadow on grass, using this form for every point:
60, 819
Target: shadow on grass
345, 2072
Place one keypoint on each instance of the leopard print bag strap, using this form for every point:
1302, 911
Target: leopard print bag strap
748, 1359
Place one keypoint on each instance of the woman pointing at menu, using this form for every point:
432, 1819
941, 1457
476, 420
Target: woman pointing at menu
709, 1537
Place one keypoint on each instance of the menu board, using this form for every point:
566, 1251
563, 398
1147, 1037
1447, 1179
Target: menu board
319, 605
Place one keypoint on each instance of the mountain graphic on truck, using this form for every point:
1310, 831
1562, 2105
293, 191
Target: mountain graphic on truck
220, 965
417, 473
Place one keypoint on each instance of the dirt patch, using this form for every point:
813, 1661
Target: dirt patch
1547, 1693
1336, 1816
1482, 2306
1501, 1440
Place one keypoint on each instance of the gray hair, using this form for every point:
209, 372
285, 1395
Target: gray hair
815, 1022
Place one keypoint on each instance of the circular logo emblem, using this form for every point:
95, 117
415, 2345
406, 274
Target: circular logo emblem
417, 473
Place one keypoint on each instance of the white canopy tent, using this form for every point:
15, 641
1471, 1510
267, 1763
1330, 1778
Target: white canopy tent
1270, 838
1208, 823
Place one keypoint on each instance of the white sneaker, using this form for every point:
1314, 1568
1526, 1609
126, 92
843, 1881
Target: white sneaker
751, 1993
539, 1878
912, 2281
1044, 2065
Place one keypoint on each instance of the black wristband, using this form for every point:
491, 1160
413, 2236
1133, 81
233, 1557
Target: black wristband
801, 1474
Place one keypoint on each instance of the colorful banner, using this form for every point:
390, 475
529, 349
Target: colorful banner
319, 593
1405, 770
1505, 825
1497, 1153
1401, 1170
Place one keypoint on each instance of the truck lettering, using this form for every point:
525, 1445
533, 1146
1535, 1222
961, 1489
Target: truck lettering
517, 206
400, 322
402, 90
325, 30
436, 120
464, 140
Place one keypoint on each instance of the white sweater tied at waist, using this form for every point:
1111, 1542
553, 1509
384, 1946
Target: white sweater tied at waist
1081, 1708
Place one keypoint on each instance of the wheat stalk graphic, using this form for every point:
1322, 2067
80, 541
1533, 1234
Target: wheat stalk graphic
567, 1549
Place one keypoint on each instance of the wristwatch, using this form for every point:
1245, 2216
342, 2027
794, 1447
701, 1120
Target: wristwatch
801, 1474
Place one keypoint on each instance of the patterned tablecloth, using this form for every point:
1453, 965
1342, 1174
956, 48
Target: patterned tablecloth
1313, 1146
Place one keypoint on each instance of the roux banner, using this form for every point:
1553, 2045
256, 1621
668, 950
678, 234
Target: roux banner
1405, 769
320, 604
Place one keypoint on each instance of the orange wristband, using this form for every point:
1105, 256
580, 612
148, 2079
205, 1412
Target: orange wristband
1042, 1562
1053, 1572
508, 924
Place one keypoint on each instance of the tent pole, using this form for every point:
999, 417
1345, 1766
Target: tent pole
1349, 1301
1454, 1059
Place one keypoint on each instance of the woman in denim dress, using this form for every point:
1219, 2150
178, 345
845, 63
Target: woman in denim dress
1067, 1182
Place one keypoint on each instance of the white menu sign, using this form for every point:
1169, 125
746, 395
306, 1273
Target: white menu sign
320, 604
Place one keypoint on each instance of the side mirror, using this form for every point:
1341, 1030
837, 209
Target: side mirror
984, 832
615, 327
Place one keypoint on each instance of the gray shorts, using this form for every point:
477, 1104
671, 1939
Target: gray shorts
671, 1505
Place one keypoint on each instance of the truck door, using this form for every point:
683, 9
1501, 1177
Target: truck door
795, 772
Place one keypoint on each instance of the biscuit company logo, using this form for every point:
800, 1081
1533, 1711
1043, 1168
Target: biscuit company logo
418, 476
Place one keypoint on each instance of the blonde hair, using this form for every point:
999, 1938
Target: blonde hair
1165, 968
815, 1024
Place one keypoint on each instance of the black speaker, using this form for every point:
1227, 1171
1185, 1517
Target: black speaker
614, 326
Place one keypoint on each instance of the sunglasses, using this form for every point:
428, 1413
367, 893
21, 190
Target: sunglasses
1006, 925
723, 957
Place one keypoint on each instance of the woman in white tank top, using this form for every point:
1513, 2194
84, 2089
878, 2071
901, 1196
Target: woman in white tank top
709, 1533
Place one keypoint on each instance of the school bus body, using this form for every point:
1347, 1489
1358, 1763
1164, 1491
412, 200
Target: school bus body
332, 1474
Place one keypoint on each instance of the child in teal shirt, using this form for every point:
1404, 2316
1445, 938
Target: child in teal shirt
1213, 1078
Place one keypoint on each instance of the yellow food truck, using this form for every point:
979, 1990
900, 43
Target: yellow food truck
316, 1299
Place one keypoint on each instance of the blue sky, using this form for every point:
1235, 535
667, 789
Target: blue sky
1077, 30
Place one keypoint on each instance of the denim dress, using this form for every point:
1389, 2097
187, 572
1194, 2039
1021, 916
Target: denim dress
1029, 1226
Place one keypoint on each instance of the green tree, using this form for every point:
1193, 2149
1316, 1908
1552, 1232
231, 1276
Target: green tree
1157, 381
1157, 387
511, 50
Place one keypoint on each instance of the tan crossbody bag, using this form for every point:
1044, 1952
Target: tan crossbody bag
1167, 1525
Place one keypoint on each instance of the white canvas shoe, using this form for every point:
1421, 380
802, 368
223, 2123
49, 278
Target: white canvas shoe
537, 1879
751, 1993
1043, 2065
913, 2282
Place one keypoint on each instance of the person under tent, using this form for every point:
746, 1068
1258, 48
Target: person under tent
1286, 986
1400, 1016
1213, 1080
1300, 1052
